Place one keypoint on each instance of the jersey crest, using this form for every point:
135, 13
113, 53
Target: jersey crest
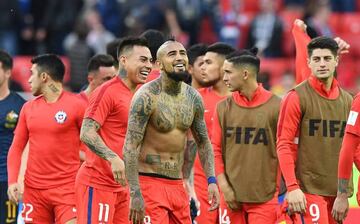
60, 117
11, 119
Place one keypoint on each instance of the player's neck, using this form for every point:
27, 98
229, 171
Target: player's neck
221, 89
52, 92
249, 90
170, 86
132, 86
4, 90
327, 82
195, 84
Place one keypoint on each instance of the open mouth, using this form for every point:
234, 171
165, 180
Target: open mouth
144, 74
180, 67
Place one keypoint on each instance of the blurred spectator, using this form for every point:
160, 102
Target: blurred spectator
316, 17
294, 4
79, 53
58, 22
266, 31
111, 14
184, 18
286, 83
98, 36
230, 32
11, 19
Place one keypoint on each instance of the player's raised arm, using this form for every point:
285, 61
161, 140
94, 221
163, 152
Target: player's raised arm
206, 154
140, 111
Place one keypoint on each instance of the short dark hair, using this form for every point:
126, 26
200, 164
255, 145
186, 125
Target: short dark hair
128, 43
51, 64
6, 60
252, 51
100, 60
221, 48
246, 59
111, 49
155, 39
196, 51
323, 43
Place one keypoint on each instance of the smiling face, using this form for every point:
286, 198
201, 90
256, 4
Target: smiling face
322, 63
173, 60
137, 63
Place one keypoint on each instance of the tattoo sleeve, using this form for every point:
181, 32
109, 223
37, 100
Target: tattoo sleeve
201, 137
189, 159
343, 185
140, 111
92, 139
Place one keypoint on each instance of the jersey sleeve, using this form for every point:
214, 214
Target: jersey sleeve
288, 124
348, 150
21, 136
302, 71
353, 122
100, 104
216, 138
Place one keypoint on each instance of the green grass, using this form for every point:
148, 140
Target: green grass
352, 201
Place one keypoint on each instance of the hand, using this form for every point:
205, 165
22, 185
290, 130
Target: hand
297, 201
13, 192
299, 23
137, 207
340, 208
118, 170
229, 196
343, 45
191, 192
213, 196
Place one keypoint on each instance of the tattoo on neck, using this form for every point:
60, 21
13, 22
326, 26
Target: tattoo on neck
53, 88
343, 184
122, 73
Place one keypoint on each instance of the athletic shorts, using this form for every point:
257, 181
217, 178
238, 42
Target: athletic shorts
318, 211
166, 201
99, 206
8, 210
48, 206
252, 213
204, 216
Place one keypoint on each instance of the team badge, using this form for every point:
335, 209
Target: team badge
11, 119
60, 117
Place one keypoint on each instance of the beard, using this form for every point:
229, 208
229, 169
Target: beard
209, 83
178, 76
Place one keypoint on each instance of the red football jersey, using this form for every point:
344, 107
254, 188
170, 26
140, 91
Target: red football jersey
53, 131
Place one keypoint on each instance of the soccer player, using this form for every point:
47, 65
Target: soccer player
196, 59
316, 111
160, 116
51, 123
244, 132
100, 192
349, 153
100, 69
10, 106
214, 90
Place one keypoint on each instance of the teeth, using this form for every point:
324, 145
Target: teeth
179, 65
144, 73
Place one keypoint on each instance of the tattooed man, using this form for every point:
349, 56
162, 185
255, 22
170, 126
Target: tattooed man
100, 198
161, 113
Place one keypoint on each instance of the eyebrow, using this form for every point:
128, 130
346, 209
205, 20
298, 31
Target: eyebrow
144, 57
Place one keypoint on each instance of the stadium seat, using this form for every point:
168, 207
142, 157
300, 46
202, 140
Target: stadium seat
347, 71
354, 41
276, 67
350, 23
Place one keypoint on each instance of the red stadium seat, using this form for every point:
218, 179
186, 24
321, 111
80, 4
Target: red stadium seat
354, 41
276, 67
350, 23
335, 22
21, 70
347, 71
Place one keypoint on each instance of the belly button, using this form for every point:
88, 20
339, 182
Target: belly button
171, 158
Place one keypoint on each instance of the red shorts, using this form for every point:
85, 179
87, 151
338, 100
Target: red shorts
49, 206
318, 211
166, 201
204, 216
254, 213
99, 206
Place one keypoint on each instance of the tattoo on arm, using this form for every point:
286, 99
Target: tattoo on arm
140, 111
201, 137
189, 159
343, 185
92, 139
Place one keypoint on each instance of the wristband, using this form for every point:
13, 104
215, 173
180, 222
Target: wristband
211, 180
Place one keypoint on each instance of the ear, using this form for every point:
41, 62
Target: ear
122, 60
190, 69
8, 73
44, 76
337, 60
246, 74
